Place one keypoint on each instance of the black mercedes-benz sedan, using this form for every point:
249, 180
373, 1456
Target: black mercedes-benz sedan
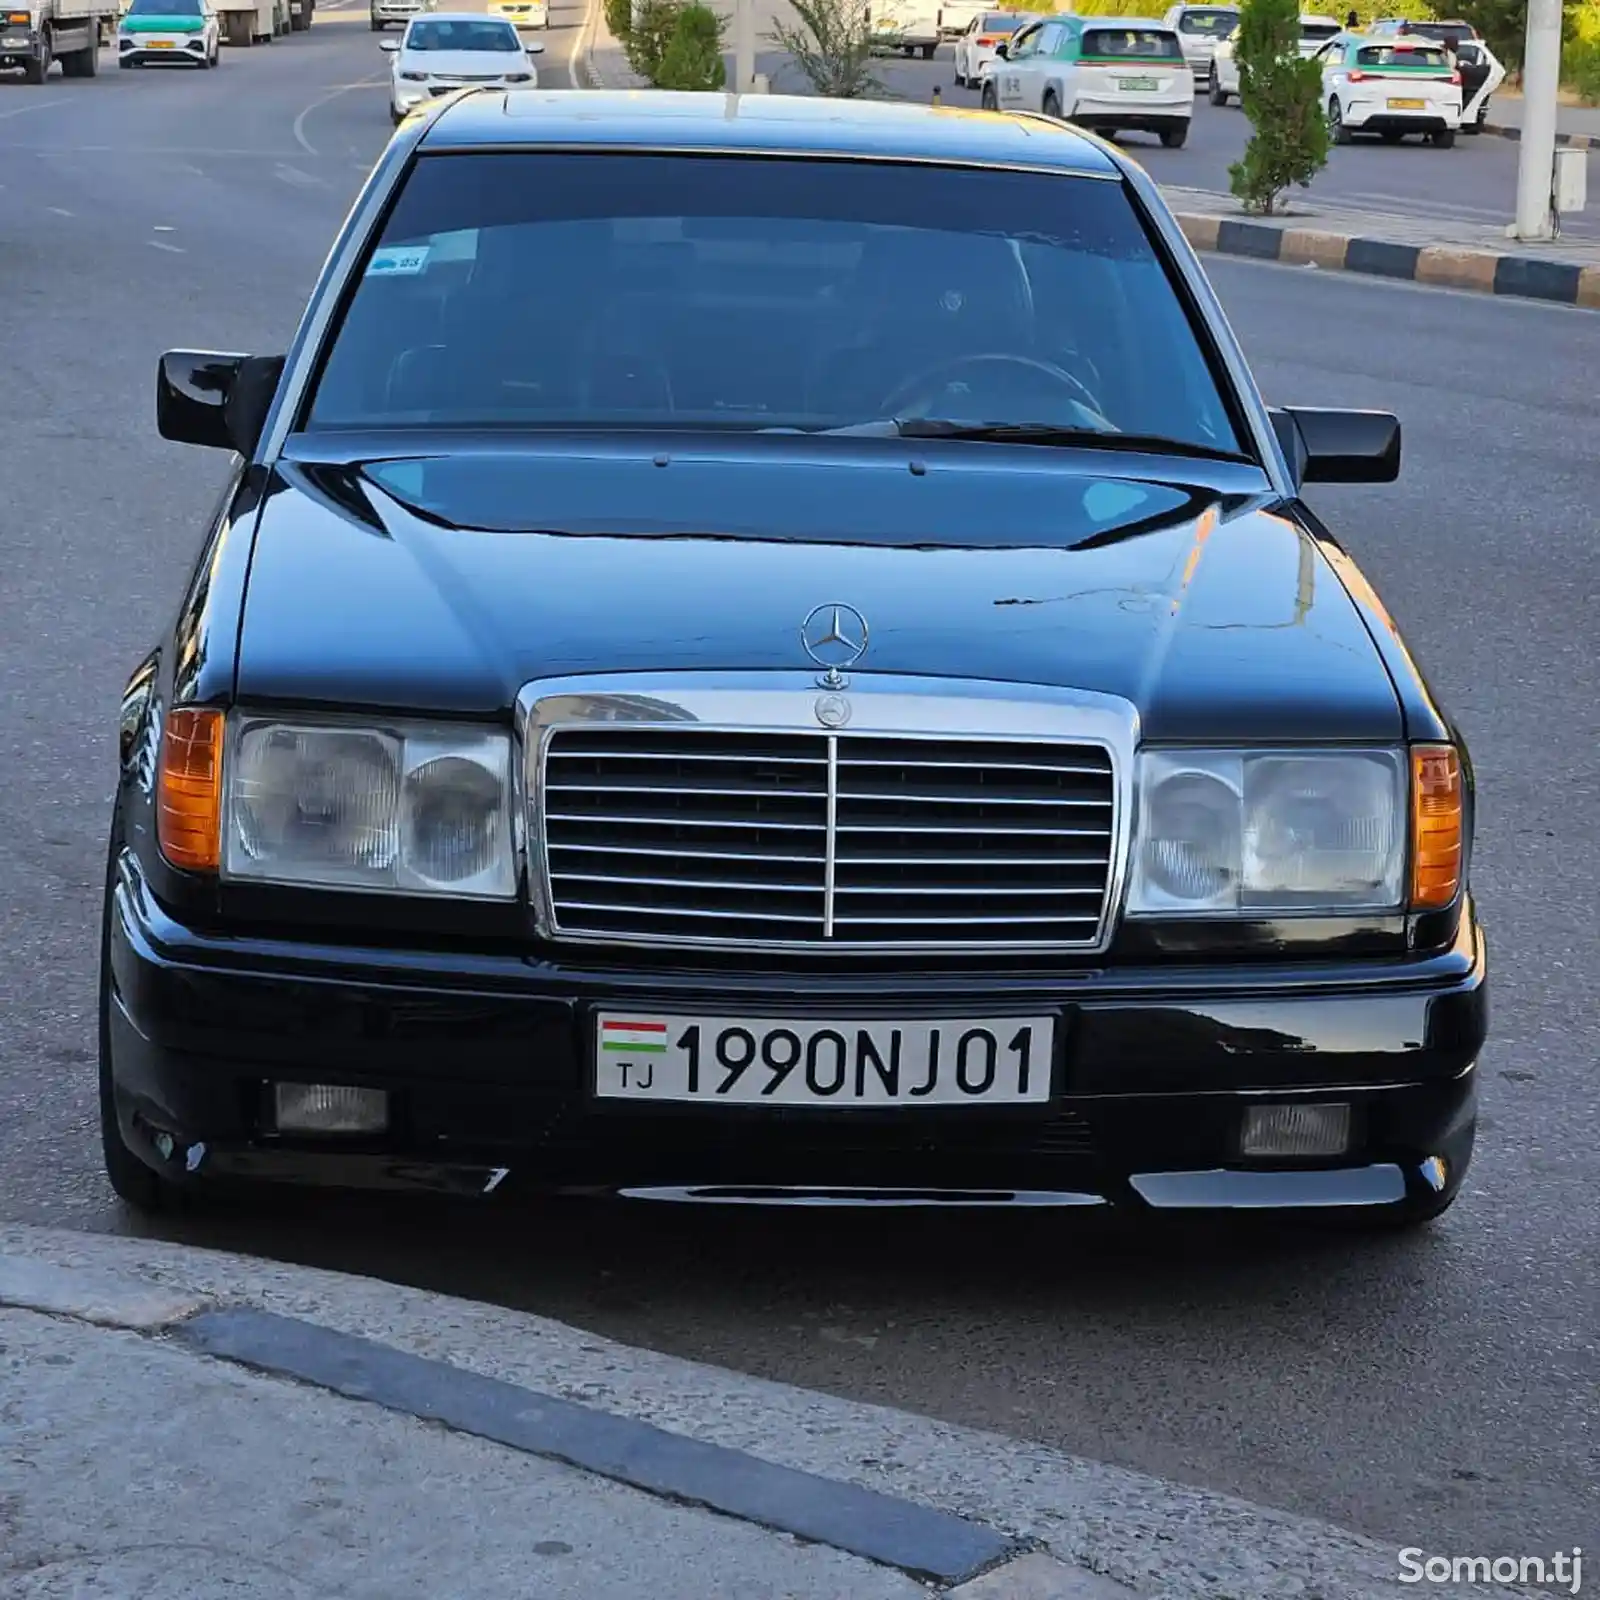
835, 698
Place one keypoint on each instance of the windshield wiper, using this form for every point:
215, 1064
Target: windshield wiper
1049, 433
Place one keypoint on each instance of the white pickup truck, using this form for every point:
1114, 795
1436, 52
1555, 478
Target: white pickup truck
909, 26
32, 35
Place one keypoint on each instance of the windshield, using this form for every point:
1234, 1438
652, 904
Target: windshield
1144, 44
165, 8
1211, 24
1002, 22
736, 292
456, 34
1385, 55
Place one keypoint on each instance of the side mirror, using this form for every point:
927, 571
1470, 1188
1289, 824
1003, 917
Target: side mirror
535, 48
1003, 50
1331, 446
219, 401
389, 46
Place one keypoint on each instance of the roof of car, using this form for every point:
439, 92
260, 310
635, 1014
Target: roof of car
761, 124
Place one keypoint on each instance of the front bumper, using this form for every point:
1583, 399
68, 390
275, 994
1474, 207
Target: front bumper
486, 1061
141, 48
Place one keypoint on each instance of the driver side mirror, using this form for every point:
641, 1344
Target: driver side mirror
1323, 445
218, 401
535, 48
1003, 50
389, 46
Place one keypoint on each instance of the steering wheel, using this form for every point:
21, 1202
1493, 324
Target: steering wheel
920, 389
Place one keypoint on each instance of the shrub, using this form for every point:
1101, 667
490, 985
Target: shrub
654, 23
1580, 52
619, 19
1282, 96
693, 57
832, 47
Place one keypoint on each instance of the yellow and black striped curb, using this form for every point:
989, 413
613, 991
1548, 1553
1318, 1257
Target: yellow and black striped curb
1443, 265
1578, 141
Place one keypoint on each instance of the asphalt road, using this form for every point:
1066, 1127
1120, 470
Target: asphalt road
1438, 1391
1474, 183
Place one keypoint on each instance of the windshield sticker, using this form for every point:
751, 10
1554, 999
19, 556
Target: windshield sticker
399, 261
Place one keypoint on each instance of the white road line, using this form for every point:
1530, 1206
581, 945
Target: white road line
171, 249
301, 180
316, 105
60, 211
579, 44
37, 105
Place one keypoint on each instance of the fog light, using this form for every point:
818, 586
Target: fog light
329, 1108
1272, 1132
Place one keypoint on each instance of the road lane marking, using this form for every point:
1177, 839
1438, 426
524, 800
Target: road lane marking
60, 211
37, 105
171, 249
376, 81
301, 180
585, 29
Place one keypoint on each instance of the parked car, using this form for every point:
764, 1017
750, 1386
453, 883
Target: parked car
1200, 28
1112, 74
1481, 71
1392, 87
943, 759
1316, 32
975, 49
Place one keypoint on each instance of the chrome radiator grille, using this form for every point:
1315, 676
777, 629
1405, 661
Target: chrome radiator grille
700, 836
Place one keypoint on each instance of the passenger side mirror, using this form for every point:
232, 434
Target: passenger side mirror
389, 46
535, 48
1002, 50
1333, 446
219, 401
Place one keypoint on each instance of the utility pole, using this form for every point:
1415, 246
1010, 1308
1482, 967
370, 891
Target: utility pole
1541, 85
744, 45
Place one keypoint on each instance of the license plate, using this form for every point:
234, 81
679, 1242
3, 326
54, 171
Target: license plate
1407, 105
1147, 85
160, 44
770, 1061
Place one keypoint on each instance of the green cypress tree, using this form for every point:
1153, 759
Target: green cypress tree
693, 57
1282, 96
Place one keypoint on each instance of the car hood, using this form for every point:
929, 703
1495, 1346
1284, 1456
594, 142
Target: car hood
484, 64
446, 585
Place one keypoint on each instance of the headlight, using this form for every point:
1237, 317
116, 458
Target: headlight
1251, 833
415, 77
393, 810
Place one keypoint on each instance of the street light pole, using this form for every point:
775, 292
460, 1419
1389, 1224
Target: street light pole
744, 46
1541, 86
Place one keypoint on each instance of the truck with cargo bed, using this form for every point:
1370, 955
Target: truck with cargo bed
37, 33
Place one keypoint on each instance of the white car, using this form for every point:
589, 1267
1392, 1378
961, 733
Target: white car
1107, 74
1390, 87
439, 54
909, 26
1200, 29
522, 13
1315, 33
975, 49
169, 30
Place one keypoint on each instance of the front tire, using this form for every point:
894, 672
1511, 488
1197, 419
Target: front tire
1216, 94
37, 70
989, 99
1052, 105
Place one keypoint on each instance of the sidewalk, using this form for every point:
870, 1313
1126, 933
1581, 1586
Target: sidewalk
1576, 125
1457, 255
181, 1424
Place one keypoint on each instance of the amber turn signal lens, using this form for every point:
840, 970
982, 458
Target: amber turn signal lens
1436, 826
189, 790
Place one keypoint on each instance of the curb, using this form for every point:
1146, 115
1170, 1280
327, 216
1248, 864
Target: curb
1063, 1527
963, 1557
1439, 265
1577, 141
